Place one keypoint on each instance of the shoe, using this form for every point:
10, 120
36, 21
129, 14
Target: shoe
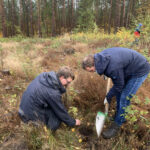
112, 131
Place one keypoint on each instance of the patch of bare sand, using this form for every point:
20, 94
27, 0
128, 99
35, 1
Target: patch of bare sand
38, 46
9, 45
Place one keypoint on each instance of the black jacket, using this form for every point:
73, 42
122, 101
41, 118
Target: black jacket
44, 93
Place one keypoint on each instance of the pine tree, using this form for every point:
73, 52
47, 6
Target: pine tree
86, 18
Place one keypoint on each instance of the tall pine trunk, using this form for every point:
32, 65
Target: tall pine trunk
64, 14
27, 4
105, 17
21, 16
123, 14
3, 19
13, 17
68, 15
109, 20
72, 13
39, 18
9, 18
118, 14
53, 19
31, 17
97, 11
131, 11
46, 18
128, 13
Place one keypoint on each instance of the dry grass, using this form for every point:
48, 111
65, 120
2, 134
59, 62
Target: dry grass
10, 45
30, 57
104, 43
91, 91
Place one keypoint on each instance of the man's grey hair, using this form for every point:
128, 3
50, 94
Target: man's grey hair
88, 61
66, 72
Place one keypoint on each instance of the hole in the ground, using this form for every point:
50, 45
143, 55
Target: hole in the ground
86, 130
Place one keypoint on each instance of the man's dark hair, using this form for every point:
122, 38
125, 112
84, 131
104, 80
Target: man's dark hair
66, 72
88, 61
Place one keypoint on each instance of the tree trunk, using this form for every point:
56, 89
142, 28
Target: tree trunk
109, 20
9, 18
131, 8
101, 12
46, 18
97, 11
105, 17
31, 17
13, 17
128, 13
21, 16
27, 4
53, 19
72, 13
39, 18
68, 15
64, 14
123, 15
118, 13
3, 19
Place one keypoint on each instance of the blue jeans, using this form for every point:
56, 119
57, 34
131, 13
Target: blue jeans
123, 100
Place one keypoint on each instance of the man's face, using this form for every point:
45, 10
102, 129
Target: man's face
65, 82
91, 69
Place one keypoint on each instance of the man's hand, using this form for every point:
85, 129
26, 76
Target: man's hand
78, 122
105, 101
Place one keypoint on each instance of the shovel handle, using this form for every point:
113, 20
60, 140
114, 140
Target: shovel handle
108, 86
106, 108
107, 90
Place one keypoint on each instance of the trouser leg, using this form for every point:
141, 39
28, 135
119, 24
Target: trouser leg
130, 89
52, 121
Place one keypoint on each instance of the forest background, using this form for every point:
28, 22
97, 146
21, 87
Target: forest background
45, 18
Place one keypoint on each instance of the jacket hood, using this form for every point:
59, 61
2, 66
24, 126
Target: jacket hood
50, 79
101, 62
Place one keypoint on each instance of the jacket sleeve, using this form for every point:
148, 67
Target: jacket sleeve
60, 110
118, 81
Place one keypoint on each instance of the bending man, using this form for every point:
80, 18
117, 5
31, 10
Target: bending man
128, 69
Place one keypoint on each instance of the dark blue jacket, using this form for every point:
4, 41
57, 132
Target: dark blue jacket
120, 64
44, 93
